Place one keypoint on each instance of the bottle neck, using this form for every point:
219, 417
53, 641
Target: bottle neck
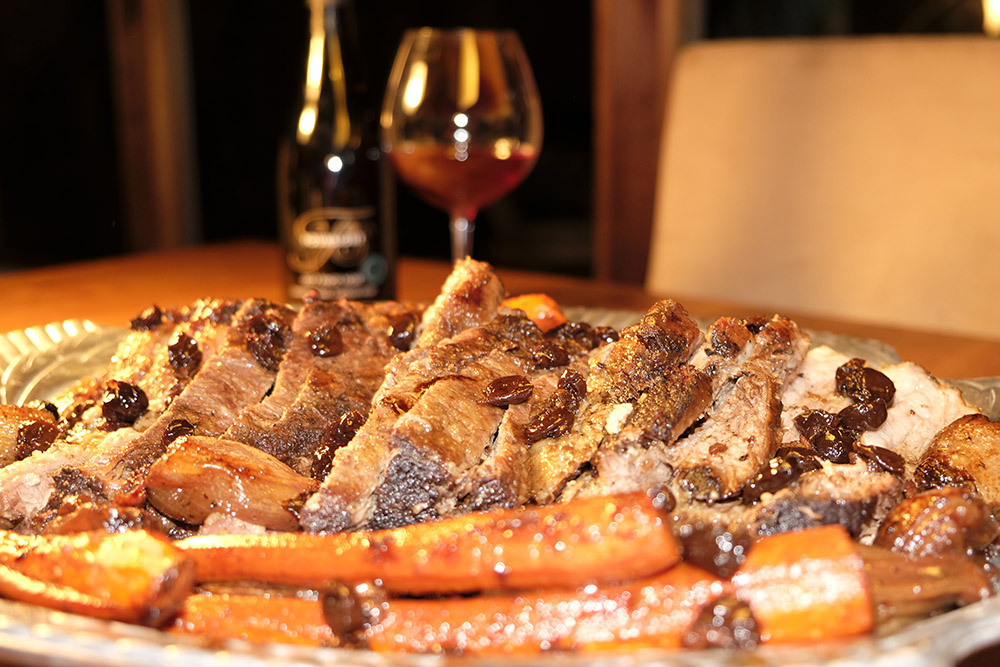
331, 34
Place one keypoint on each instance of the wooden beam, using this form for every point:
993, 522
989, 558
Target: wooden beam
150, 47
635, 42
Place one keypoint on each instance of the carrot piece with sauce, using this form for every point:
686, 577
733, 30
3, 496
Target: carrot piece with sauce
809, 585
540, 309
654, 611
135, 576
600, 539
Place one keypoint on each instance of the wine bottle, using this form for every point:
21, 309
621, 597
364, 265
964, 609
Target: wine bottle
336, 217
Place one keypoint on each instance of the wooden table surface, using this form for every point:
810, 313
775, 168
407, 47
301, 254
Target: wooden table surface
112, 291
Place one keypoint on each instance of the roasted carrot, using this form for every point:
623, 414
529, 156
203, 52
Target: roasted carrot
540, 309
654, 611
601, 539
806, 586
136, 576
218, 617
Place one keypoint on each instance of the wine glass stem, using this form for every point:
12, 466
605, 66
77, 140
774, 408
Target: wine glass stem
462, 228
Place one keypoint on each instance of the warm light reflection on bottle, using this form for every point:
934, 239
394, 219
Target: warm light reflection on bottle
314, 78
502, 149
307, 122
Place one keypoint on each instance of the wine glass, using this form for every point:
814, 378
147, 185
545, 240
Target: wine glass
461, 121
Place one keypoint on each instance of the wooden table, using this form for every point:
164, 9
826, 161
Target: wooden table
112, 291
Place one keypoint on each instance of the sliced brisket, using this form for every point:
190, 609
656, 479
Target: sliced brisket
333, 366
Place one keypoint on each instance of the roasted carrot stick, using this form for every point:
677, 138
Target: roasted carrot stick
806, 586
136, 577
218, 617
602, 539
540, 309
654, 611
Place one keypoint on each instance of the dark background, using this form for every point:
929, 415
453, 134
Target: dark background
59, 192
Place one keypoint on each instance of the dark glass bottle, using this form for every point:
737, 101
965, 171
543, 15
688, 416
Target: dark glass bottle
336, 212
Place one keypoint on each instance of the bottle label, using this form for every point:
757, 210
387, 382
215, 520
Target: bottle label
331, 250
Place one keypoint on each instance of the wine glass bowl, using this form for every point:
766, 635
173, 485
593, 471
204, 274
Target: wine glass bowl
461, 121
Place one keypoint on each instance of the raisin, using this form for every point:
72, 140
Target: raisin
881, 458
580, 333
176, 429
148, 319
550, 423
863, 416
267, 340
549, 355
325, 342
338, 434
123, 403
184, 355
774, 476
402, 331
35, 436
351, 609
724, 623
574, 383
713, 547
605, 335
812, 423
835, 445
506, 390
860, 383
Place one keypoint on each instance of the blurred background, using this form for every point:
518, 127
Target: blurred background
132, 124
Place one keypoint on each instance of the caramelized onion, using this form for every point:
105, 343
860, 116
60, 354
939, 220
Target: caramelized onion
198, 476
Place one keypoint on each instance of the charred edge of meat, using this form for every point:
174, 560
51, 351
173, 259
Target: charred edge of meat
71, 485
409, 491
492, 493
791, 512
933, 473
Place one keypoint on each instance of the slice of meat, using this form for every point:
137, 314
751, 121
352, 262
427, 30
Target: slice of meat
333, 366
921, 407
666, 336
716, 459
24, 429
636, 456
238, 375
470, 298
160, 355
27, 486
425, 432
627, 380
742, 429
964, 453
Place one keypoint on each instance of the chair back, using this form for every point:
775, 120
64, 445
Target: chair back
852, 177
